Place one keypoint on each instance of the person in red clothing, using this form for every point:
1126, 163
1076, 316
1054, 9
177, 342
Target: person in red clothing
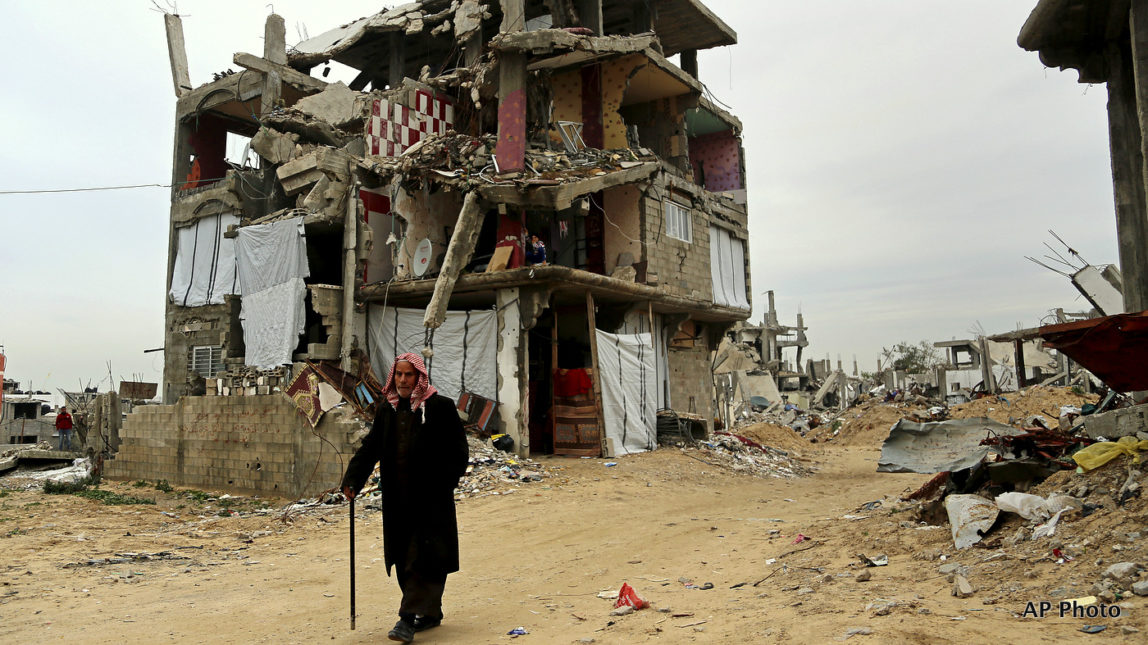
64, 428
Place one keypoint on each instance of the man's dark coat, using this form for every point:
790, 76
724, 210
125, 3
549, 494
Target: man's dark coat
424, 526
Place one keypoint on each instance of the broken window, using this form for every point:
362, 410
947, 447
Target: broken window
679, 221
216, 143
206, 360
239, 153
25, 410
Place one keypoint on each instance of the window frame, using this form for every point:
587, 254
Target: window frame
214, 360
679, 221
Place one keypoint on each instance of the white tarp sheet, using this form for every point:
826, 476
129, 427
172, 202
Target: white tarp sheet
727, 268
271, 254
272, 262
273, 319
467, 340
204, 269
629, 382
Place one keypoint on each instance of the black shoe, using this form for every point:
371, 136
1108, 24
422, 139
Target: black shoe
402, 631
423, 623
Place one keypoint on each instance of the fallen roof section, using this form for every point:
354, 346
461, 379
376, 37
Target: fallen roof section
1114, 348
936, 447
1075, 34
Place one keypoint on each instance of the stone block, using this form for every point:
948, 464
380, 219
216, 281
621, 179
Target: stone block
1123, 422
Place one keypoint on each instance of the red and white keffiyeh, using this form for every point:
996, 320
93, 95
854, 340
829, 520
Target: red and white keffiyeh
423, 389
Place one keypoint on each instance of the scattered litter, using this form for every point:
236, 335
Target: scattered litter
970, 516
627, 596
876, 561
1093, 629
518, 631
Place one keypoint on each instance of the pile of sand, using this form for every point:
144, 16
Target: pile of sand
1013, 407
774, 435
867, 424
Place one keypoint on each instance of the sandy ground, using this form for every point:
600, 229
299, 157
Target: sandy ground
538, 558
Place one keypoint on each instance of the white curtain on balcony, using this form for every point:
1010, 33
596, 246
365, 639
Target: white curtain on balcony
727, 267
204, 268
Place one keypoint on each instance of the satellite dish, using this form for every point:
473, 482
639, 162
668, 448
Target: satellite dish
422, 257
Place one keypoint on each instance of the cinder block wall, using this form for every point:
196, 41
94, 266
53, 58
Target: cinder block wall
691, 376
683, 269
245, 444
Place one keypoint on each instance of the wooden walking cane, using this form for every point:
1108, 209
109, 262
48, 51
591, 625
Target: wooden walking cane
352, 507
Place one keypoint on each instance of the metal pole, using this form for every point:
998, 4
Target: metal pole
352, 507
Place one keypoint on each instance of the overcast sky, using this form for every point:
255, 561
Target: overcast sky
903, 156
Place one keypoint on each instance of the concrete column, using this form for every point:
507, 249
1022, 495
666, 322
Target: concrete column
397, 62
590, 15
512, 370
350, 272
177, 54
689, 59
1128, 97
510, 151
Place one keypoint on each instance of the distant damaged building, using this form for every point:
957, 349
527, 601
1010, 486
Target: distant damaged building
529, 193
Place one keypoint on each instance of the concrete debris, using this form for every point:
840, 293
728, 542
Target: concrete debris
962, 588
746, 456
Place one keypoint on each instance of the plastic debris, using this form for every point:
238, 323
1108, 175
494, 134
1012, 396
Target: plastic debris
970, 516
627, 596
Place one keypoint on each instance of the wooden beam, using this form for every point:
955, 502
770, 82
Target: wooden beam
592, 321
290, 76
177, 54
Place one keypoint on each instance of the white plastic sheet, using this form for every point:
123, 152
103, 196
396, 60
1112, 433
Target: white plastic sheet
629, 382
273, 319
727, 269
271, 254
272, 262
466, 340
204, 269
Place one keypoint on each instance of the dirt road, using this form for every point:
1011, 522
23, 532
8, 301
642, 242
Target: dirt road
537, 558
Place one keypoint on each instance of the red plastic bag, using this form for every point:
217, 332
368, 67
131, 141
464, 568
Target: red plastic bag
627, 596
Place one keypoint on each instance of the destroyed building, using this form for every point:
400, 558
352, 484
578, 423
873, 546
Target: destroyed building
392, 214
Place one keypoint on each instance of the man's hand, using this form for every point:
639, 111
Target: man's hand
348, 493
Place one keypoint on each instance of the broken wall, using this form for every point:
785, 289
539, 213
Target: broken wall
623, 232
429, 214
716, 160
681, 268
250, 444
188, 328
691, 380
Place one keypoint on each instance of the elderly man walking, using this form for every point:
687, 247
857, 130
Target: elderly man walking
418, 440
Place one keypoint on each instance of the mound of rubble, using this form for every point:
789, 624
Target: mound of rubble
740, 454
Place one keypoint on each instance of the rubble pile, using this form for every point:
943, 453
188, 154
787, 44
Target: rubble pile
743, 455
494, 472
